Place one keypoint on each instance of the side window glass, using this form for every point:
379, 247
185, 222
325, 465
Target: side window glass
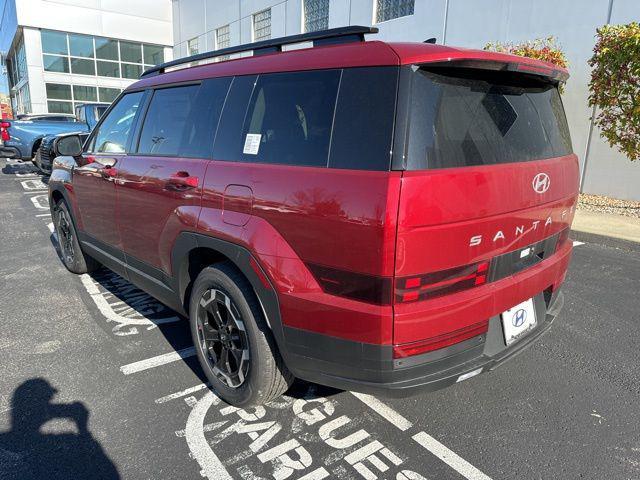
113, 133
201, 126
290, 117
363, 126
166, 120
228, 141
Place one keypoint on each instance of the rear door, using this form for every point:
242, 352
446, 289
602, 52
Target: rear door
161, 184
490, 170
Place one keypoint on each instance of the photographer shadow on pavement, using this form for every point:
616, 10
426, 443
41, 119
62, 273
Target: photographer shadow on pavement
26, 452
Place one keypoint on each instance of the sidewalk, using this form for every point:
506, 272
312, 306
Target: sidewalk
607, 225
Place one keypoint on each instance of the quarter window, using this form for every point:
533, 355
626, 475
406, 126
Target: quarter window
363, 127
113, 133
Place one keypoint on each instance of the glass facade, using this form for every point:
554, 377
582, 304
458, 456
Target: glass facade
192, 46
223, 37
316, 15
63, 97
390, 9
262, 25
97, 56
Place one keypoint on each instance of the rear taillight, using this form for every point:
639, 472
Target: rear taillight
441, 341
358, 286
431, 285
4, 133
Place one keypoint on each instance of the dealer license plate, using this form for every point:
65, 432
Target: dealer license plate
517, 321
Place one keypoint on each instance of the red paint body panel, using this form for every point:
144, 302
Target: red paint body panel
96, 201
339, 218
152, 207
441, 210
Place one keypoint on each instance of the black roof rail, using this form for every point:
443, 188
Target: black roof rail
354, 33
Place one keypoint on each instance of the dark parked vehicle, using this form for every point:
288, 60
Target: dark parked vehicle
21, 138
382, 217
46, 153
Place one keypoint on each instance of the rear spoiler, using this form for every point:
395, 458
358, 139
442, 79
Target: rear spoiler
539, 69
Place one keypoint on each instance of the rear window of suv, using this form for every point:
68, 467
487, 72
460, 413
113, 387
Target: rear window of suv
464, 117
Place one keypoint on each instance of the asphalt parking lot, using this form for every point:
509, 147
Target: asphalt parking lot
97, 380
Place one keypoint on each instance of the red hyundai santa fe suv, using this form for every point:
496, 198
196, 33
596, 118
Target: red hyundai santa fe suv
381, 217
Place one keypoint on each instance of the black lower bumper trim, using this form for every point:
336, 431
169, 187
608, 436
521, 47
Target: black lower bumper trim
9, 152
371, 368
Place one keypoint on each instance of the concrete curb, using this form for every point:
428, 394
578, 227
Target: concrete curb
606, 241
607, 229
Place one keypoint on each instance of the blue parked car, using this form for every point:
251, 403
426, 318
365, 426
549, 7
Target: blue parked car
21, 138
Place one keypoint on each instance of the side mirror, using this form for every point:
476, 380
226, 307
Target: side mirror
69, 145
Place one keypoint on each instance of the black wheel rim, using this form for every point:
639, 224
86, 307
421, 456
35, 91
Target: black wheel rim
64, 229
222, 338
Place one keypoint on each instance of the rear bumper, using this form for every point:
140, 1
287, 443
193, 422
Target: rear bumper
371, 368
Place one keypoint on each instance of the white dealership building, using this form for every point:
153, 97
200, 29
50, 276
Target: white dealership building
59, 53
201, 25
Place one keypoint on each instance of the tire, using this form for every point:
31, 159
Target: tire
73, 258
252, 352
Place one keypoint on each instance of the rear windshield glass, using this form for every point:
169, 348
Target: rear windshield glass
472, 117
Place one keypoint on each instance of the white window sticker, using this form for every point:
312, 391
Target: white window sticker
252, 143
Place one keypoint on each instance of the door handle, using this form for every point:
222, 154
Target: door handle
181, 181
108, 173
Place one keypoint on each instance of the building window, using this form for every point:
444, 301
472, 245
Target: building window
223, 37
96, 56
63, 97
262, 25
389, 9
192, 46
316, 15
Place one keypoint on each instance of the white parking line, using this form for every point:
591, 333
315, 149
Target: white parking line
384, 411
449, 457
43, 215
212, 467
577, 243
30, 192
182, 393
157, 361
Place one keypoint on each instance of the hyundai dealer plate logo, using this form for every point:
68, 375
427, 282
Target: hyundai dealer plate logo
518, 318
541, 182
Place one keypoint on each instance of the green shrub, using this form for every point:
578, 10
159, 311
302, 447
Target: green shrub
615, 86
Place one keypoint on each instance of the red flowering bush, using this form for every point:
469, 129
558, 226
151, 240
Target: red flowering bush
615, 86
545, 49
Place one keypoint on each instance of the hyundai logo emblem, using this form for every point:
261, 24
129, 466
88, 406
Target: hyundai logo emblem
541, 183
518, 318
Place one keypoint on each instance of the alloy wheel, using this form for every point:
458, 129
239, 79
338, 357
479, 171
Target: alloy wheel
222, 338
64, 229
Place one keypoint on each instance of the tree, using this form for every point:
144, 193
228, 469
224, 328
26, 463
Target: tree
615, 86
